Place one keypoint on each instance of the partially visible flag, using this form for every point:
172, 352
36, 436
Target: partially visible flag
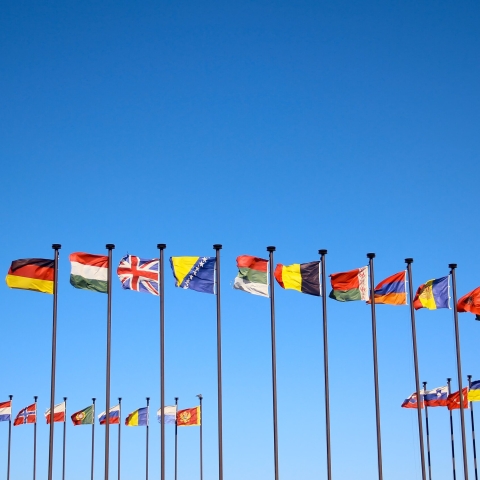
27, 415
474, 391
5, 411
392, 290
411, 402
350, 286
436, 397
432, 294
139, 274
470, 303
169, 414
303, 277
37, 274
58, 413
453, 400
189, 417
138, 418
89, 272
84, 417
194, 273
252, 275
114, 417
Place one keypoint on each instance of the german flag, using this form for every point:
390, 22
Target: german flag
303, 277
37, 274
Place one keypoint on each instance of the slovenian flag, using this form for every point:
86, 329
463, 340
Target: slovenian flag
5, 411
436, 397
169, 414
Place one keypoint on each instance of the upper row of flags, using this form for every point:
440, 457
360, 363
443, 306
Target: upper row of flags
90, 272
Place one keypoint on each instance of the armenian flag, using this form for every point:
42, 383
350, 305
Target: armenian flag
84, 417
411, 402
189, 417
350, 286
303, 277
392, 290
138, 418
470, 303
436, 397
473, 392
59, 412
5, 411
194, 273
89, 272
36, 274
453, 400
432, 294
252, 275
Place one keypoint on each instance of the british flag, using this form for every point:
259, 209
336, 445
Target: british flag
139, 274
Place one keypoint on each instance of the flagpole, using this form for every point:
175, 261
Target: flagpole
452, 267
161, 291
146, 444
323, 253
109, 247
473, 431
451, 433
371, 256
56, 247
9, 438
428, 432
271, 249
64, 438
176, 436
93, 441
409, 262
217, 248
201, 436
35, 441
119, 436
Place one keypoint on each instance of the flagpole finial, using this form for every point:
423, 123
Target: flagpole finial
271, 249
119, 399
161, 246
408, 261
176, 399
217, 246
36, 397
56, 246
449, 380
452, 265
10, 396
109, 246
322, 252
93, 400
370, 255
64, 399
424, 385
199, 396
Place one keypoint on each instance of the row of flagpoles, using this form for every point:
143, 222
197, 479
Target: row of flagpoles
256, 276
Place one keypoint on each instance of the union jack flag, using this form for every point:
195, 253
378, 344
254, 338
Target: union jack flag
139, 274
27, 415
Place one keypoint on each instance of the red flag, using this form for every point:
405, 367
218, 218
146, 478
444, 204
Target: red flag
189, 417
470, 302
58, 413
453, 400
27, 415
411, 402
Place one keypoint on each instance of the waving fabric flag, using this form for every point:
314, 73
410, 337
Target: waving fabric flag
89, 272
252, 275
114, 418
436, 397
5, 411
474, 391
453, 400
194, 273
303, 277
350, 286
138, 418
432, 294
411, 402
37, 274
169, 414
470, 303
392, 290
84, 417
58, 413
27, 415
189, 417
139, 274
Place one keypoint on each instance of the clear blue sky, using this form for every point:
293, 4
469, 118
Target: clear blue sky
351, 126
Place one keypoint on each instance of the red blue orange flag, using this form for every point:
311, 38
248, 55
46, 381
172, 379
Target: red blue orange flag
392, 290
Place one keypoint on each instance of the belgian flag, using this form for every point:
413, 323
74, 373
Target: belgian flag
303, 277
37, 274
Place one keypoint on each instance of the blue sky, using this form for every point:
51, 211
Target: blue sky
350, 126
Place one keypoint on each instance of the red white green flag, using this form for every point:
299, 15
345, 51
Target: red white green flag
252, 275
350, 286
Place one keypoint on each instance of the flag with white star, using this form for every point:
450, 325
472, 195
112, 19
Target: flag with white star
194, 273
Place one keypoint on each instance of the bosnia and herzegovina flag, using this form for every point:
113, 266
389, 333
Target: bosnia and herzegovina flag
392, 290
37, 274
432, 294
194, 273
138, 418
303, 277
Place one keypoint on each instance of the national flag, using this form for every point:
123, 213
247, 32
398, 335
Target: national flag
474, 391
189, 417
59, 412
138, 418
436, 397
453, 400
37, 274
5, 411
252, 275
139, 274
169, 414
89, 272
470, 303
84, 417
194, 273
350, 286
27, 415
114, 417
392, 290
303, 277
411, 402
432, 294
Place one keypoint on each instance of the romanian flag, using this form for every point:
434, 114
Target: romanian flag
37, 274
453, 400
350, 286
474, 391
189, 417
138, 418
303, 277
411, 402
392, 290
194, 273
470, 303
432, 294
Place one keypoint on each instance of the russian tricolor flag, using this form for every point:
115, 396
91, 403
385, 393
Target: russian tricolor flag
5, 411
114, 417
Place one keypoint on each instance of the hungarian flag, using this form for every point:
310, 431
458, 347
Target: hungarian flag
189, 417
470, 303
37, 274
252, 275
453, 400
59, 412
350, 286
83, 417
27, 415
89, 272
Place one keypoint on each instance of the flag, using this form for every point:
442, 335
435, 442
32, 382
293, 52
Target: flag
470, 303
411, 402
303, 277
27, 415
432, 294
453, 400
84, 417
58, 413
5, 411
349, 286
473, 393
189, 417
114, 418
252, 275
37, 274
139, 274
436, 397
138, 418
194, 273
392, 290
169, 414
89, 272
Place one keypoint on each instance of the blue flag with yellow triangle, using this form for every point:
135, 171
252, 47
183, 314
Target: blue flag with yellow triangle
194, 273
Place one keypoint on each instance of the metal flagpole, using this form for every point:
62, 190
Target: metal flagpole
201, 436
176, 437
35, 441
119, 436
217, 248
56, 247
271, 249
64, 438
409, 262
451, 433
428, 433
452, 267
161, 292
9, 438
325, 362
93, 440
109, 247
473, 430
371, 256
146, 444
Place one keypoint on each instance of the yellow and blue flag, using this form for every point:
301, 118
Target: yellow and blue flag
194, 273
433, 294
138, 418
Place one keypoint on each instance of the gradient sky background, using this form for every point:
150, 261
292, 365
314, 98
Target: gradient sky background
351, 126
